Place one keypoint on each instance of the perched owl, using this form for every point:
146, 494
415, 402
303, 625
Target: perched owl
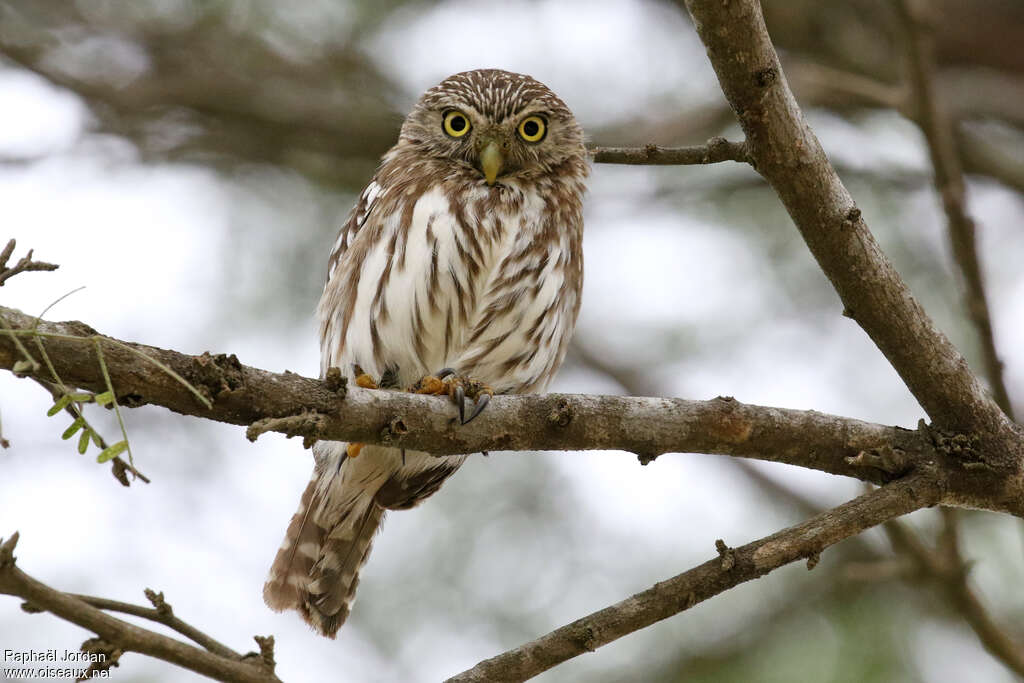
458, 272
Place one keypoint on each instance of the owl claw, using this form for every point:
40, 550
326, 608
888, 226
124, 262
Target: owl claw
363, 379
481, 402
447, 382
460, 400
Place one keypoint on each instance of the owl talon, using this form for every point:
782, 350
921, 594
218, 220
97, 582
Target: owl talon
481, 402
460, 400
430, 385
363, 379
458, 388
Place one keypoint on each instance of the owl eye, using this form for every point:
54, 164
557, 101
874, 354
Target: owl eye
456, 124
532, 129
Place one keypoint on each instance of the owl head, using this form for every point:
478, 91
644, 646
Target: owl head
500, 124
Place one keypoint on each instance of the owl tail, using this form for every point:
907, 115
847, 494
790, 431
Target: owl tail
316, 570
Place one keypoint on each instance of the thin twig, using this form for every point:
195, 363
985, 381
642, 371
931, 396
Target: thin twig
25, 263
946, 569
124, 635
937, 126
716, 150
163, 615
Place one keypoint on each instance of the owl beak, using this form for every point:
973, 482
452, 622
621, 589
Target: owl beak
491, 160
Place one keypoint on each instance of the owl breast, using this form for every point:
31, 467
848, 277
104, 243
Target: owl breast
480, 279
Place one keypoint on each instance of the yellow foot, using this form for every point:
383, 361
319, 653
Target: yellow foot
363, 379
458, 388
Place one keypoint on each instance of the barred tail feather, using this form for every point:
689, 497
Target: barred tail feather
316, 570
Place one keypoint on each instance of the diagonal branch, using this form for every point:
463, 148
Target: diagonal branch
126, 636
160, 613
733, 567
939, 133
789, 156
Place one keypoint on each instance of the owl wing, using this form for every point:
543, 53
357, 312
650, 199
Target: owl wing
367, 199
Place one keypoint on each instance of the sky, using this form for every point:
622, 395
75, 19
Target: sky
152, 252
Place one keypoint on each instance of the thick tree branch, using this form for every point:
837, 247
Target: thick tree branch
123, 635
733, 567
648, 427
786, 152
937, 126
300, 406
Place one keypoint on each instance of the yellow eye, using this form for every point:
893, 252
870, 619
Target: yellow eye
532, 129
456, 123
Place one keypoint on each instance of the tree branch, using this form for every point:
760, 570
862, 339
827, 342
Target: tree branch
300, 406
123, 635
786, 152
733, 567
24, 264
716, 150
648, 427
937, 126
161, 613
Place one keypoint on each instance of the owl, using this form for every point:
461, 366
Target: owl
458, 272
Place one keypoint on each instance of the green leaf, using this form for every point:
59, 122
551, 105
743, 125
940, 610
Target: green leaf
83, 441
60, 405
96, 439
104, 398
75, 426
112, 452
81, 397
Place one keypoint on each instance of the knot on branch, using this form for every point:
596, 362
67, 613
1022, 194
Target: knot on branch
889, 459
561, 414
216, 375
585, 638
308, 424
101, 655
393, 430
335, 381
7, 551
265, 656
960, 447
647, 458
765, 77
812, 560
157, 600
727, 554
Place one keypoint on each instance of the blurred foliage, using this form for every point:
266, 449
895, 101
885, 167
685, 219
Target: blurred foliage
289, 106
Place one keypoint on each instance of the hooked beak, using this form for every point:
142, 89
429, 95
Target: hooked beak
491, 160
